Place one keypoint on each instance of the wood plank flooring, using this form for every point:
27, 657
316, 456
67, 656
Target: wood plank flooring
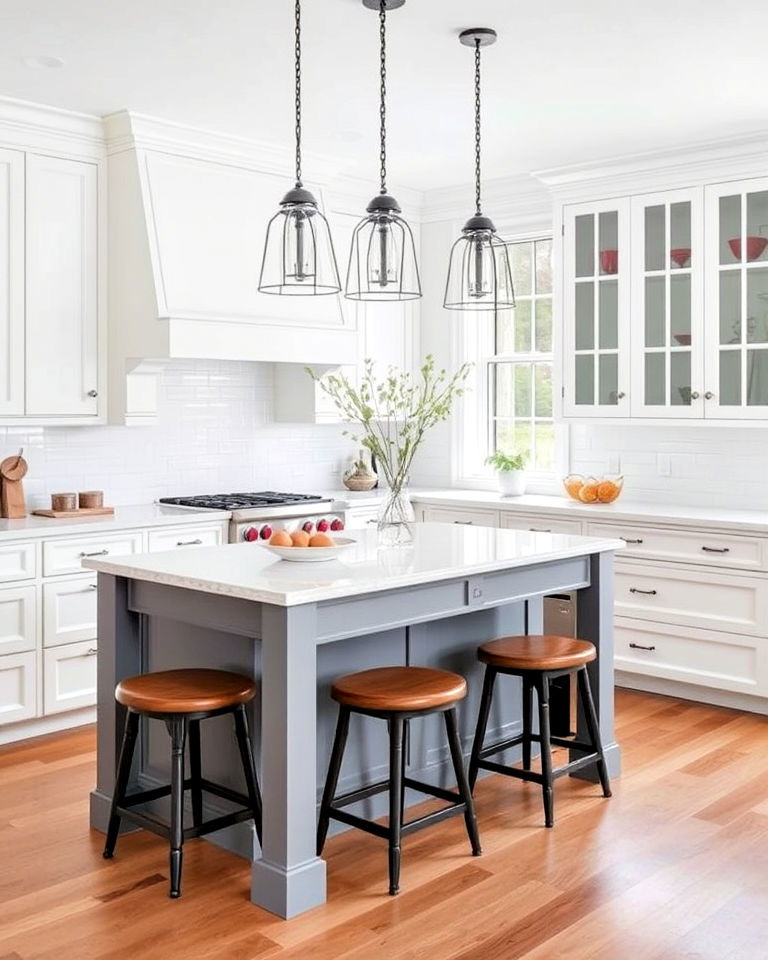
674, 867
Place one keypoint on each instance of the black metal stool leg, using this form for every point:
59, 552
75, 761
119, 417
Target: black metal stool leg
593, 729
526, 722
482, 724
403, 765
249, 765
195, 772
121, 780
395, 799
177, 727
334, 769
542, 690
452, 731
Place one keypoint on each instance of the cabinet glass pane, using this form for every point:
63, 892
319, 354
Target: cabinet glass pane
608, 379
543, 384
680, 235
655, 393
608, 318
730, 229
730, 378
730, 306
584, 245
757, 226
585, 380
680, 378
655, 237
655, 312
757, 305
585, 316
543, 326
609, 242
680, 309
543, 266
520, 262
757, 378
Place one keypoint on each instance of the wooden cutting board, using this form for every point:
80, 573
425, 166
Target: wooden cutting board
12, 471
84, 512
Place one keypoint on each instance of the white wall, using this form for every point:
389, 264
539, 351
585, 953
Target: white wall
213, 434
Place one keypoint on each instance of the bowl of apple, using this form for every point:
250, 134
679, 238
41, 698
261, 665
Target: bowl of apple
306, 546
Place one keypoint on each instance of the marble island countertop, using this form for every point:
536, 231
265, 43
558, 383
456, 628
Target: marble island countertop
438, 552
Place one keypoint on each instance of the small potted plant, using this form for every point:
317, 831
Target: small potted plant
510, 472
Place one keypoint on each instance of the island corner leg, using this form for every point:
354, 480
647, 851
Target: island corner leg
595, 613
290, 877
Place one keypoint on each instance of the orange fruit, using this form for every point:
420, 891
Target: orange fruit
321, 540
300, 538
572, 486
607, 491
280, 539
588, 493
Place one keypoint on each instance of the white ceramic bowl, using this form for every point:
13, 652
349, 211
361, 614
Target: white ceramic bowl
312, 554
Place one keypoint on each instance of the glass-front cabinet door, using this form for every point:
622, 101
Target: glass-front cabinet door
737, 300
595, 299
667, 322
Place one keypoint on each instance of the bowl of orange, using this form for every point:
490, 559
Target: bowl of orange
303, 547
593, 490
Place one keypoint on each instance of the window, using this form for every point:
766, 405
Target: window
510, 407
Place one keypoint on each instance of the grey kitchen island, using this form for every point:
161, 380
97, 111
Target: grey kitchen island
295, 626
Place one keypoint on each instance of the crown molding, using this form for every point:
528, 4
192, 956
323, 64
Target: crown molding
519, 198
34, 125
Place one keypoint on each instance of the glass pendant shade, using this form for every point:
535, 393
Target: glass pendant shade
382, 261
298, 253
479, 272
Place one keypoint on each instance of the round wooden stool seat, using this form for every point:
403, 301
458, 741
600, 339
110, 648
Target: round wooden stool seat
536, 653
185, 691
399, 688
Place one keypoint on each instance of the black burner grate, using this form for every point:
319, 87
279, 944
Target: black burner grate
242, 501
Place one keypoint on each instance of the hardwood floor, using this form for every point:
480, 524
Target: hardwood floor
674, 867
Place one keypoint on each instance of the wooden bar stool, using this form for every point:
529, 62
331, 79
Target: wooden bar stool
397, 695
537, 660
182, 698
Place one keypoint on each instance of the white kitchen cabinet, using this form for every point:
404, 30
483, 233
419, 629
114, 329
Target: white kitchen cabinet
69, 677
18, 622
181, 538
18, 561
18, 687
11, 283
538, 524
62, 329
596, 309
69, 610
461, 515
67, 554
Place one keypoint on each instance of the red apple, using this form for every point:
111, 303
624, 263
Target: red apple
337, 524
250, 534
266, 532
323, 526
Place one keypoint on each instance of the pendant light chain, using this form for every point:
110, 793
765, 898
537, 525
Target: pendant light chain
477, 127
383, 93
297, 59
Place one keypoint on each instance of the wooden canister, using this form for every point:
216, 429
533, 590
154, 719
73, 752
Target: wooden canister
89, 499
63, 502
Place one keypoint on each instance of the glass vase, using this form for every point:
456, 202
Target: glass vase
396, 517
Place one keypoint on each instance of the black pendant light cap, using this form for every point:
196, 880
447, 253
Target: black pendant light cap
479, 223
484, 35
383, 203
390, 4
298, 196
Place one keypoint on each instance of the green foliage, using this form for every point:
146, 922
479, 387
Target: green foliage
396, 412
506, 462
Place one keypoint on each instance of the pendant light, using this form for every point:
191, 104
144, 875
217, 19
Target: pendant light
479, 275
298, 253
382, 261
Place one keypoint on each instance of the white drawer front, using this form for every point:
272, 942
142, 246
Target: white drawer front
18, 687
69, 610
66, 556
707, 658
69, 677
544, 524
17, 620
478, 518
17, 561
360, 519
179, 538
668, 593
718, 549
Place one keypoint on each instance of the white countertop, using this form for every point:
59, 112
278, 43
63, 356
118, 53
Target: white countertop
622, 510
141, 515
439, 552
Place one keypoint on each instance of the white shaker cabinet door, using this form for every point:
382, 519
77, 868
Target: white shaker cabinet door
62, 288
11, 283
18, 627
69, 677
18, 687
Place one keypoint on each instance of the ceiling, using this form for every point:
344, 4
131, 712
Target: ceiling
566, 81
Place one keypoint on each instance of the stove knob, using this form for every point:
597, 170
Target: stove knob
266, 532
308, 527
250, 534
323, 525
337, 524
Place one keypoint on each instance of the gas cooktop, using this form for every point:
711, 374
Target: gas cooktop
243, 501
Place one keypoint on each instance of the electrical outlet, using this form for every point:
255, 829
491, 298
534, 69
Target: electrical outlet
663, 465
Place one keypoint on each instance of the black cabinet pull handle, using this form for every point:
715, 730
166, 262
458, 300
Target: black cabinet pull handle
465, 523
96, 553
630, 540
716, 549
648, 593
639, 646
189, 543
540, 529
